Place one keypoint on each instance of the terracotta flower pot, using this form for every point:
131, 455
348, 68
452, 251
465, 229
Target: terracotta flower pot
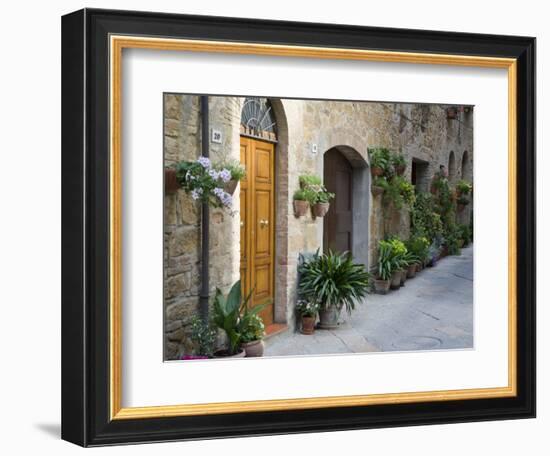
411, 271
329, 318
171, 184
320, 209
395, 280
403, 277
300, 208
375, 190
400, 169
308, 325
230, 186
253, 349
225, 354
376, 171
381, 286
419, 267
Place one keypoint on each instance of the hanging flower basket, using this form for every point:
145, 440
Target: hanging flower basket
231, 186
300, 208
376, 171
320, 209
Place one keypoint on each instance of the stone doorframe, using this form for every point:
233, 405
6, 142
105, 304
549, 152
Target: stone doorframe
360, 202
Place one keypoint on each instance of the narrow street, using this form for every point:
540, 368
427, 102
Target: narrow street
432, 311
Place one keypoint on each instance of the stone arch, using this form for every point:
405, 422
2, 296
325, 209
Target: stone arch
451, 168
360, 201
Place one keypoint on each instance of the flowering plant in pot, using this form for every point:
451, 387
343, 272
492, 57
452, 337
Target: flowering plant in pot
238, 172
380, 161
308, 312
205, 182
252, 331
334, 281
321, 203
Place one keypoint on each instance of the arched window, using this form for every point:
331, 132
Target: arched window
258, 119
464, 167
452, 167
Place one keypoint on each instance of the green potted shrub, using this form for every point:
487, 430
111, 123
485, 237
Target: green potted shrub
463, 187
309, 180
226, 316
334, 281
378, 186
419, 246
399, 272
322, 202
307, 310
465, 234
385, 267
379, 160
399, 164
203, 337
302, 198
252, 331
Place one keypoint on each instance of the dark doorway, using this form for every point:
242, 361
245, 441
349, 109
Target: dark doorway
419, 175
338, 222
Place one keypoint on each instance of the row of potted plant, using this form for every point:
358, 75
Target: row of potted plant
328, 283
213, 183
385, 163
243, 328
313, 195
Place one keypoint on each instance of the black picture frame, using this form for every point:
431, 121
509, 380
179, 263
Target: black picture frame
85, 228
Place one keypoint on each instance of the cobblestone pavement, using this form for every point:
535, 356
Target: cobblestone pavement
432, 311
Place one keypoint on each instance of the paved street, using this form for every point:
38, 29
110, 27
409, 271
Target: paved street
432, 311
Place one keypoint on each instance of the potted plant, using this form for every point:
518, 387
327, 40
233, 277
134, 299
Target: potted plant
462, 202
334, 281
309, 180
411, 260
226, 316
252, 331
308, 314
237, 172
322, 202
399, 272
385, 267
302, 198
399, 164
379, 160
379, 184
203, 336
171, 184
465, 234
419, 247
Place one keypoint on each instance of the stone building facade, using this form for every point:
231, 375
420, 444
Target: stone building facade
305, 131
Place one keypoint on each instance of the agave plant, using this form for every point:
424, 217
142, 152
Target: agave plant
333, 279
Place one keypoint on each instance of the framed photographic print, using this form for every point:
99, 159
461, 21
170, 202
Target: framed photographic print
279, 227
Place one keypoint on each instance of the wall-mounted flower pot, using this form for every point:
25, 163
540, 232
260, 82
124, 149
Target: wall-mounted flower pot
308, 325
328, 318
253, 349
231, 186
376, 171
395, 280
452, 113
171, 184
320, 209
381, 286
300, 208
400, 169
376, 191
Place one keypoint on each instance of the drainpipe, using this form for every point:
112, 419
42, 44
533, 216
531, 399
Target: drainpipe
205, 219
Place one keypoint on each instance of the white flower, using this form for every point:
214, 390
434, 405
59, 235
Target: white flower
214, 174
196, 193
204, 162
225, 175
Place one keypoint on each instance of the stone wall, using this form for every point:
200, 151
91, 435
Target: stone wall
420, 132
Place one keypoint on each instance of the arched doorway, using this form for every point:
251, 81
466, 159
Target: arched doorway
464, 166
338, 222
452, 167
257, 204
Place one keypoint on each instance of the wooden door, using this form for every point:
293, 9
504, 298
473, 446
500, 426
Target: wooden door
257, 223
338, 222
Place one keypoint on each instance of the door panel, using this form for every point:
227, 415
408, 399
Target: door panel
257, 223
338, 222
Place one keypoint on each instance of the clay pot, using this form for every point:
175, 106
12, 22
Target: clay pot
411, 271
171, 184
419, 267
230, 186
400, 170
376, 190
300, 208
253, 349
320, 209
308, 325
395, 280
403, 277
376, 171
381, 286
225, 354
329, 318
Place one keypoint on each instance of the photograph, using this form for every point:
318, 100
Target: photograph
307, 227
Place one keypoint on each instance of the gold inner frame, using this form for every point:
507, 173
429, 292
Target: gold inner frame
117, 44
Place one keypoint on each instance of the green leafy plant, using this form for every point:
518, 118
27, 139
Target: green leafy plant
333, 279
305, 194
203, 336
399, 254
380, 158
385, 260
465, 233
398, 160
406, 189
392, 192
307, 180
307, 308
323, 196
463, 187
452, 235
463, 200
425, 220
251, 327
419, 246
